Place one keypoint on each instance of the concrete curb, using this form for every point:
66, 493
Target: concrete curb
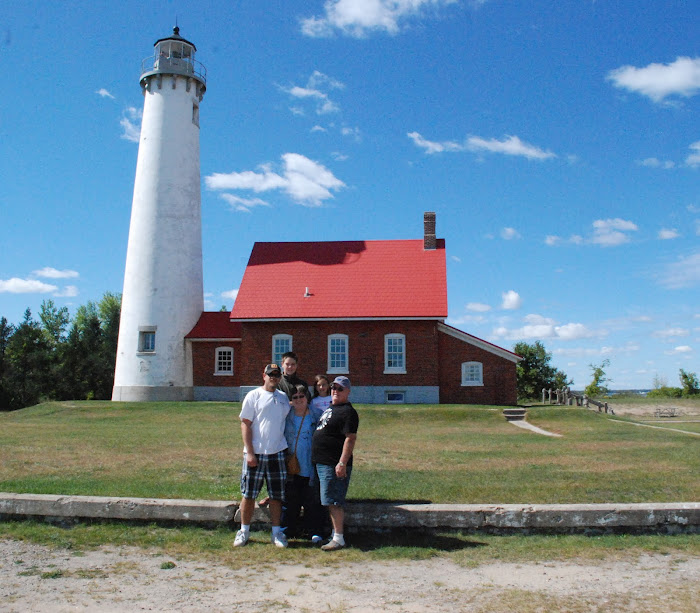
659, 517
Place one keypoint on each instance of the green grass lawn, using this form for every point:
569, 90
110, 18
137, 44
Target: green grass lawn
441, 454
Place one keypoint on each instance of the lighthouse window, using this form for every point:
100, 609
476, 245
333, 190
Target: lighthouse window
147, 341
195, 114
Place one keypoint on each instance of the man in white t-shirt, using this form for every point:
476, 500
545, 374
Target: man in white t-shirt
263, 416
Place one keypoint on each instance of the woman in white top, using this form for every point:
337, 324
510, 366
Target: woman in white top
322, 394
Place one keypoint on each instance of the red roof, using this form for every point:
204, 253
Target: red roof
345, 279
215, 324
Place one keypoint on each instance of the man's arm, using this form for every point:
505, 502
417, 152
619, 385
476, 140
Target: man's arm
247, 433
348, 446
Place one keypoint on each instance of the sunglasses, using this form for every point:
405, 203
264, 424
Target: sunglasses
337, 388
274, 376
298, 397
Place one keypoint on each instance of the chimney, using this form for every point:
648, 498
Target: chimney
429, 240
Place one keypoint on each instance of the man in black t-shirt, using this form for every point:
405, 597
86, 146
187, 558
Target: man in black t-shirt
331, 452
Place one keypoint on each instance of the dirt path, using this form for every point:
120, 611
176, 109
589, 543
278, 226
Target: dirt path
36, 578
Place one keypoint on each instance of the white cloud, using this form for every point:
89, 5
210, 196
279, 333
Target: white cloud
104, 93
567, 332
552, 240
243, 204
25, 286
52, 273
232, 293
466, 319
538, 320
353, 133
612, 232
683, 273
508, 234
510, 145
511, 300
315, 90
478, 307
693, 159
658, 81
656, 163
680, 350
454, 258
131, 124
668, 233
305, 181
432, 146
669, 333
358, 18
69, 291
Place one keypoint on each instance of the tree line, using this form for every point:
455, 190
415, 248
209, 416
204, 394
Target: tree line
59, 358
535, 373
56, 358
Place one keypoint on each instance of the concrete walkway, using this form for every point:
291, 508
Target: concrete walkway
661, 517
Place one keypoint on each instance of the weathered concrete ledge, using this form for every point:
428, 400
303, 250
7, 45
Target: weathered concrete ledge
104, 507
663, 517
670, 517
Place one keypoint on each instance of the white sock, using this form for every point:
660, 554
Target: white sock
275, 530
245, 529
338, 538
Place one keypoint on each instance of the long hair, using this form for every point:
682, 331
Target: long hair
317, 378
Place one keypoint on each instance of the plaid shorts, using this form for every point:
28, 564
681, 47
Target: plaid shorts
272, 469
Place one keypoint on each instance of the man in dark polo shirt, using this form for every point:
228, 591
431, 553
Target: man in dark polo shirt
331, 452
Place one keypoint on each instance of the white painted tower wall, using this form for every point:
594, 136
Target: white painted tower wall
163, 287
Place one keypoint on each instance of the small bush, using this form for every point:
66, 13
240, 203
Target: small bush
665, 392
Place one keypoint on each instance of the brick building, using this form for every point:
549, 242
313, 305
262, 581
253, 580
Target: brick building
371, 310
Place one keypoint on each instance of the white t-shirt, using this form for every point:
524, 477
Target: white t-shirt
267, 411
321, 402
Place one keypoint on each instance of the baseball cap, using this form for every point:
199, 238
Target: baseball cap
344, 381
273, 369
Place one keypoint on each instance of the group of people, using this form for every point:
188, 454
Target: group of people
281, 419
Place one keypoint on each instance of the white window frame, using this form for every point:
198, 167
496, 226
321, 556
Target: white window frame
338, 370
394, 370
218, 370
147, 339
277, 355
472, 374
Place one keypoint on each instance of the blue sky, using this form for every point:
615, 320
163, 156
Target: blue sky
558, 143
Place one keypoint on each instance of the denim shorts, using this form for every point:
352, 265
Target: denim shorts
271, 469
333, 489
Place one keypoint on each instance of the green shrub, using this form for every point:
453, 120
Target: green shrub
665, 392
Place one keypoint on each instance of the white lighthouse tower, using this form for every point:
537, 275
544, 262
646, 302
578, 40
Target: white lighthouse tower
163, 290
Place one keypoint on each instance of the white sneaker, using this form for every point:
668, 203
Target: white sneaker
241, 538
279, 540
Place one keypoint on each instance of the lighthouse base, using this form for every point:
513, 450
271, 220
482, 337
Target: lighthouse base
152, 393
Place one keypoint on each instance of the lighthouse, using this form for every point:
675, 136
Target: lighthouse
163, 289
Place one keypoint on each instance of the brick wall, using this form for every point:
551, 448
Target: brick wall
203, 357
499, 375
365, 344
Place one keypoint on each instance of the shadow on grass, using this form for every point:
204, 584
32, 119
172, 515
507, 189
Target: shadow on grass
371, 541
